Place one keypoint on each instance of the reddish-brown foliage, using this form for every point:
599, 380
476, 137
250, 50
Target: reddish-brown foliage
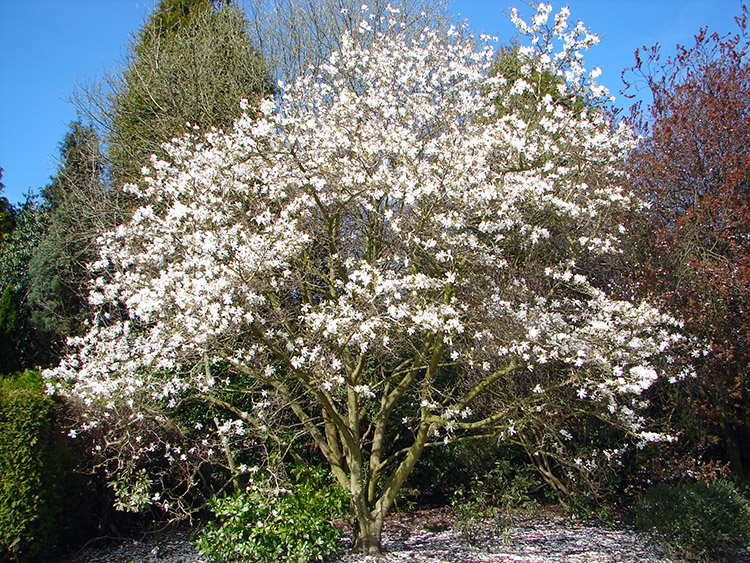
693, 166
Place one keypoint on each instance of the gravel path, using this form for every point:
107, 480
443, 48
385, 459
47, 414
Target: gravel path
430, 537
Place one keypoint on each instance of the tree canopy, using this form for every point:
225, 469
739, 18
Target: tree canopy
6, 211
192, 63
382, 254
693, 166
295, 36
77, 208
22, 345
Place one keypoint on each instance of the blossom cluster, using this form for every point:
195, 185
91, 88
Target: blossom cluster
394, 206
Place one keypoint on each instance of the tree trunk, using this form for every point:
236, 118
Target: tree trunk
368, 535
733, 449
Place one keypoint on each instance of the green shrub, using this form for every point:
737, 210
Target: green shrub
479, 523
270, 523
500, 473
698, 520
484, 510
31, 499
441, 470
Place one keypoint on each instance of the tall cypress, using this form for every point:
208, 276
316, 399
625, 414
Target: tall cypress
191, 63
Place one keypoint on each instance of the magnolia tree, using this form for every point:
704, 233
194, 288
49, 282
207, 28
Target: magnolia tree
391, 252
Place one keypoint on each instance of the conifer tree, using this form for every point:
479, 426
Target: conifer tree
9, 330
6, 211
191, 63
78, 207
20, 346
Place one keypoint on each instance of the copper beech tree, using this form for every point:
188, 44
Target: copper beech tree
376, 253
693, 167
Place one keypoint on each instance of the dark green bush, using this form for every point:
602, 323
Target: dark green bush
501, 473
271, 522
31, 499
699, 520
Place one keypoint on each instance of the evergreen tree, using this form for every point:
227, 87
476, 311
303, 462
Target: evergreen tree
9, 330
6, 211
21, 345
78, 208
191, 63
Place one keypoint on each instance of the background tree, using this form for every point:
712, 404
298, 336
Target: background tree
24, 346
6, 211
693, 166
192, 62
78, 207
9, 306
296, 35
376, 255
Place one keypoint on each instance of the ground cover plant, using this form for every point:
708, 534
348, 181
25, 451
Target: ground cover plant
399, 250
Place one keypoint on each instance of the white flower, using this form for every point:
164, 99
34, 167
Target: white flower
364, 391
379, 222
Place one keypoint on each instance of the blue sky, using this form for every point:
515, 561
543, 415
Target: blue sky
49, 46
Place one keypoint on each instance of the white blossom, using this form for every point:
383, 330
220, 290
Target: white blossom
383, 205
